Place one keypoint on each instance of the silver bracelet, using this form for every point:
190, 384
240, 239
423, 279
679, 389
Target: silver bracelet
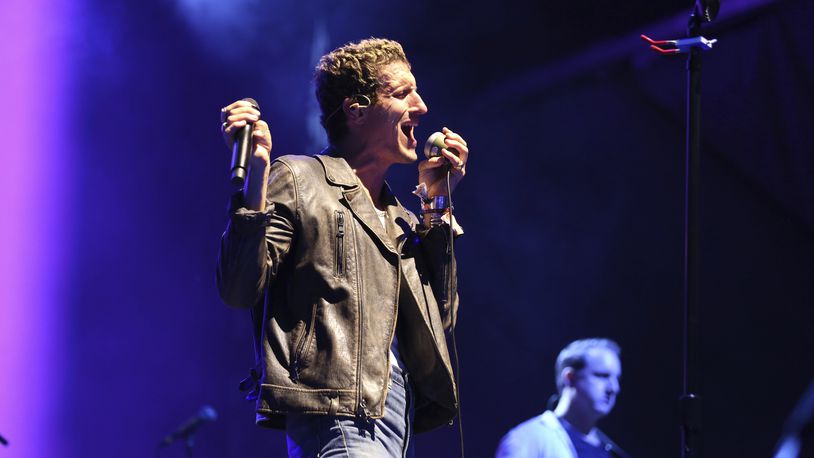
435, 207
436, 204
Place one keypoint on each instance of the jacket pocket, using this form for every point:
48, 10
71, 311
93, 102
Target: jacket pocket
301, 346
339, 251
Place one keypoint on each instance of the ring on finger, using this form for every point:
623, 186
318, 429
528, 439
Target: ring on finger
223, 126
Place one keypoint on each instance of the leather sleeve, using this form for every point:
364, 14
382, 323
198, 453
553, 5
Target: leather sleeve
255, 244
438, 251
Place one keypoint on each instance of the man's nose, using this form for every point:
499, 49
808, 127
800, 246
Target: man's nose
418, 105
613, 386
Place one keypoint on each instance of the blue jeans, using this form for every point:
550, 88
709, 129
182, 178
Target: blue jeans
311, 436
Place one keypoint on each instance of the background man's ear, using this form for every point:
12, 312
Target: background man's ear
568, 376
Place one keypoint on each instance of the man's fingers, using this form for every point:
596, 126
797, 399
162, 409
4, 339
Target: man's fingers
456, 163
237, 104
230, 128
261, 126
457, 142
246, 117
452, 135
262, 134
447, 157
237, 115
432, 163
238, 108
463, 151
236, 121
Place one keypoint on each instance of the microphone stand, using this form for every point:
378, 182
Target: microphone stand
188, 443
690, 402
187, 430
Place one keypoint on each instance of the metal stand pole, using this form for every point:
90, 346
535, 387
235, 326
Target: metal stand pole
690, 403
188, 443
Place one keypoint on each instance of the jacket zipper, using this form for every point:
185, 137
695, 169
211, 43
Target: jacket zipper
362, 411
340, 243
399, 248
294, 370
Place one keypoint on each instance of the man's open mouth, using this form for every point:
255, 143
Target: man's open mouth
408, 130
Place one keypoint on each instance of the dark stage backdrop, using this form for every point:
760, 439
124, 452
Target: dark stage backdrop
572, 209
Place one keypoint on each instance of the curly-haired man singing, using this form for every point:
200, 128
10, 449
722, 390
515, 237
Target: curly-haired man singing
351, 294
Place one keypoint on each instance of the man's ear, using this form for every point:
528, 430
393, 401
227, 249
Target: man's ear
355, 108
568, 376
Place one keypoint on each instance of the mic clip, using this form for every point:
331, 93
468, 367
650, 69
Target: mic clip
680, 46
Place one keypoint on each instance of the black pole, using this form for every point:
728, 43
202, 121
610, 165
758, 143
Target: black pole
690, 404
188, 443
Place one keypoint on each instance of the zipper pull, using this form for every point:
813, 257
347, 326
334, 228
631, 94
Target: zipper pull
294, 371
362, 412
340, 244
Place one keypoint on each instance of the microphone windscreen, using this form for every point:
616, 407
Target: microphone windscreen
253, 102
434, 145
208, 413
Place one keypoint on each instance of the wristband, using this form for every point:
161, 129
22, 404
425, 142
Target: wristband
433, 208
435, 204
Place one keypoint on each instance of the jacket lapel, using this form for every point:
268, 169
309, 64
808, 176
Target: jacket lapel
399, 223
339, 173
362, 209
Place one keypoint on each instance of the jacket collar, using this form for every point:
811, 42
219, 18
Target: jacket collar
337, 170
549, 419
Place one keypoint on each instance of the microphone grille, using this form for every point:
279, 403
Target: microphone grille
208, 413
253, 102
434, 144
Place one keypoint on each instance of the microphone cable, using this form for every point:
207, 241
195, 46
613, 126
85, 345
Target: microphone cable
456, 376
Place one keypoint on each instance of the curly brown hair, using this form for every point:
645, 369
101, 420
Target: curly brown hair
352, 70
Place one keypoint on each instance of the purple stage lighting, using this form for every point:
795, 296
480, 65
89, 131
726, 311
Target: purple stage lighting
32, 233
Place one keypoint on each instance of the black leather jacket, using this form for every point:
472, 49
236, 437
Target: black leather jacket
326, 284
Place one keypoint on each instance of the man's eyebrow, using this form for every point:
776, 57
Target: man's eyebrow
398, 82
401, 87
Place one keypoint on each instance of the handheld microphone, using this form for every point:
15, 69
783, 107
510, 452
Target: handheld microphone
434, 145
207, 413
241, 150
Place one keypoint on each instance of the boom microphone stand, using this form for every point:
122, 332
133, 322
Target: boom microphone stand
690, 402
